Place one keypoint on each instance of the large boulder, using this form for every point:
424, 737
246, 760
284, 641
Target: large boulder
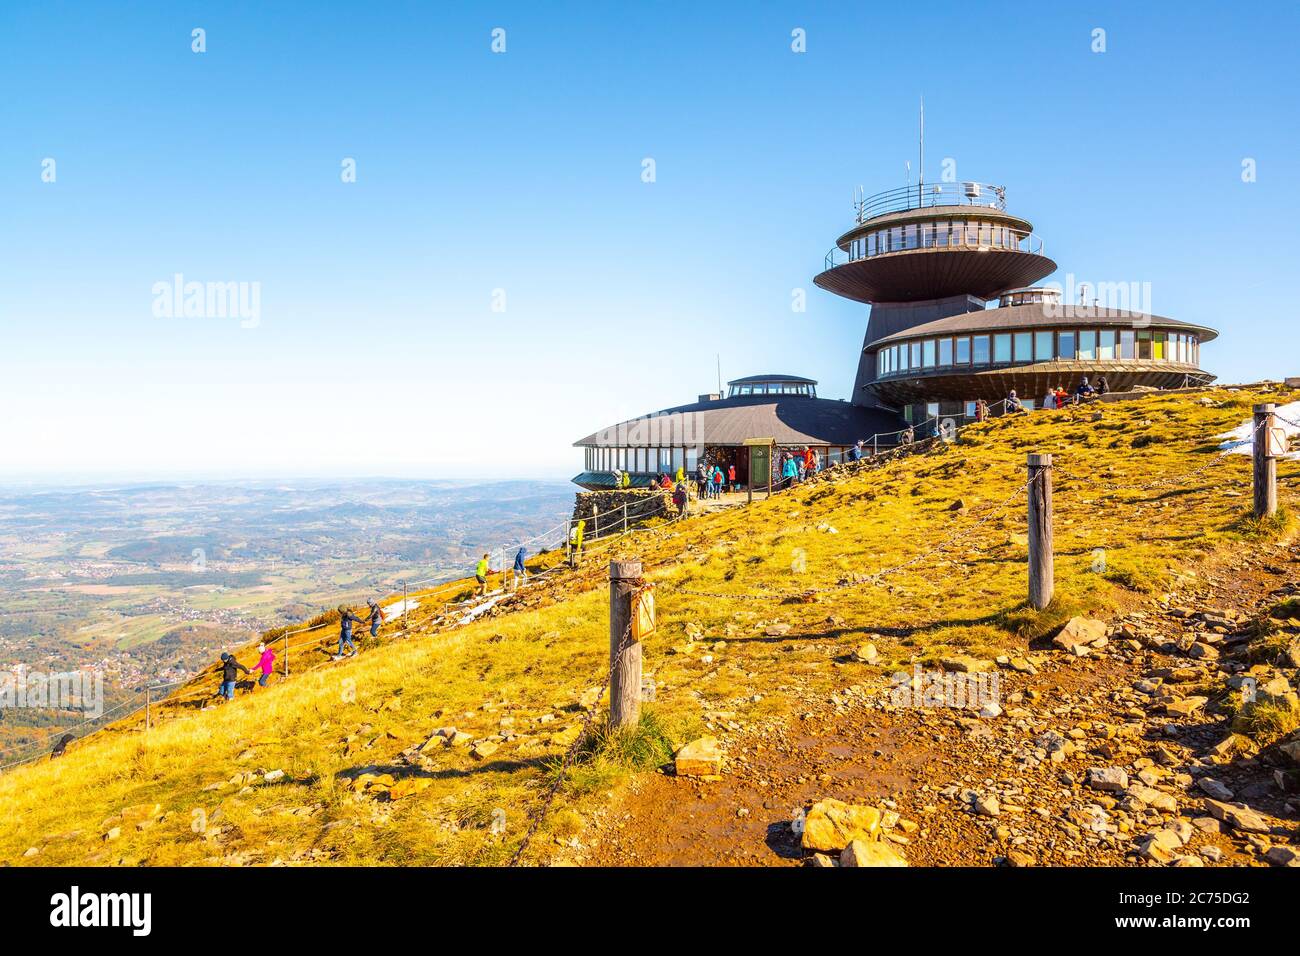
834, 824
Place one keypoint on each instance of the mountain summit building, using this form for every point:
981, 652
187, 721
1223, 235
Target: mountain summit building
928, 259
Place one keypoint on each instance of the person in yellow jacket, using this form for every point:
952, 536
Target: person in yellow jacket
681, 474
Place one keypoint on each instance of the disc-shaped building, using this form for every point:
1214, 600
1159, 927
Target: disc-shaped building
929, 258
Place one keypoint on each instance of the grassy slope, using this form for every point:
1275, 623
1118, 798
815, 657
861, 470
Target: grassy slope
331, 721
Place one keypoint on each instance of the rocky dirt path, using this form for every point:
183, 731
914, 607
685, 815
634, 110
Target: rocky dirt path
1100, 752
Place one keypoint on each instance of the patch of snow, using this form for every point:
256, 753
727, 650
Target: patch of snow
398, 608
1238, 441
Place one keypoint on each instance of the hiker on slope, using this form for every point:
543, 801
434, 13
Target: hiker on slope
346, 620
230, 669
265, 664
521, 572
377, 617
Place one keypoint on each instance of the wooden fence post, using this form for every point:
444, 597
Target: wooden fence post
286, 655
1265, 477
1041, 583
624, 658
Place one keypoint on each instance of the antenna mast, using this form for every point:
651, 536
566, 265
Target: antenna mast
920, 183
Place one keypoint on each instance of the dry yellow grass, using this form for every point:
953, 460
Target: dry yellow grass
331, 721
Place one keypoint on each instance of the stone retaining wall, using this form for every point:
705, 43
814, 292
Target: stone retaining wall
642, 505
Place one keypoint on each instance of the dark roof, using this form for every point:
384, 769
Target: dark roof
1015, 318
790, 419
751, 379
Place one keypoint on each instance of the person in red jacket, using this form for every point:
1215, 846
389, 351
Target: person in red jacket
731, 476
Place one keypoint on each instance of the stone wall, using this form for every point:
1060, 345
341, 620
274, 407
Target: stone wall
642, 505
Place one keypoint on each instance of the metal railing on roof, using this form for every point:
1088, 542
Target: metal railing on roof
920, 195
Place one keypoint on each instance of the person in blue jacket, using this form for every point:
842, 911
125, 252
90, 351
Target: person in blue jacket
790, 470
521, 572
346, 620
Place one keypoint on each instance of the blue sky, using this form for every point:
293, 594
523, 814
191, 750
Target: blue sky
377, 349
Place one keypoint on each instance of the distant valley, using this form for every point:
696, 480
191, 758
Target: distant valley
147, 583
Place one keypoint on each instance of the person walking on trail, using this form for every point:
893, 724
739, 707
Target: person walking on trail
265, 664
680, 499
790, 470
520, 571
481, 575
346, 620
230, 669
718, 479
731, 477
627, 479
377, 617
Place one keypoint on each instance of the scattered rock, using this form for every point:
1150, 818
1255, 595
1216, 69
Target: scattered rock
1237, 815
870, 853
1108, 779
701, 757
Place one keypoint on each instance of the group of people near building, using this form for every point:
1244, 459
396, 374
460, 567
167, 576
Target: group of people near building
800, 464
1057, 398
712, 479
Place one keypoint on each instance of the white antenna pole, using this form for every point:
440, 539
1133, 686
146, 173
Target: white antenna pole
920, 183
719, 373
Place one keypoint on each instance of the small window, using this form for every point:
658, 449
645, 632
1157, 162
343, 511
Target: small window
1065, 345
927, 353
1106, 345
963, 350
945, 351
1002, 347
1144, 346
1043, 347
915, 359
1087, 345
932, 410
1024, 346
1126, 346
980, 350
969, 409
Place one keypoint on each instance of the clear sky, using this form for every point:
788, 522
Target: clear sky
515, 179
